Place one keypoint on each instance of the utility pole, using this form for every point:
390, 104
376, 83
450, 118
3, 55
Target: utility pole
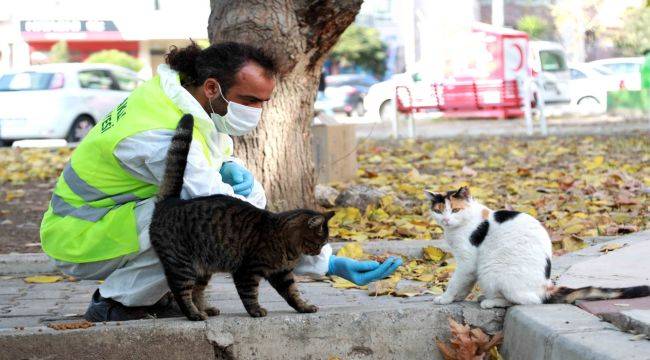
497, 13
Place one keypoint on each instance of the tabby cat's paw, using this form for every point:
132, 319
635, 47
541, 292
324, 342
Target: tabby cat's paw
308, 309
257, 312
443, 300
212, 311
199, 316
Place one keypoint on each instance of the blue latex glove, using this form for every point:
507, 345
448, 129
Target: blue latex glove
238, 177
362, 272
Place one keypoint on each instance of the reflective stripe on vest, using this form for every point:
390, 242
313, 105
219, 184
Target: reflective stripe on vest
85, 212
88, 193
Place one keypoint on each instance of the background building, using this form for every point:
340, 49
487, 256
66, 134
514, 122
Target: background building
142, 28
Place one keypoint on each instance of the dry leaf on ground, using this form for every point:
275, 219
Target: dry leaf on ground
610, 247
384, 287
351, 250
83, 324
341, 283
433, 253
467, 343
43, 279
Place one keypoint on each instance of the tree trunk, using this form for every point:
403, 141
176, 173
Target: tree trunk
298, 34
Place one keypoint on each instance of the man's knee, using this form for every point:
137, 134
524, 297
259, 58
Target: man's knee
97, 270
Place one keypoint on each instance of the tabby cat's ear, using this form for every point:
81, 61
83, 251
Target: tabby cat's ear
328, 215
435, 197
462, 193
315, 222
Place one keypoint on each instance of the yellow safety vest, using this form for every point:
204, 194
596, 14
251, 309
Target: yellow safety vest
91, 215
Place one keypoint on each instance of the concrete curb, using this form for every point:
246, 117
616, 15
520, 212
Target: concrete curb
31, 263
37, 263
565, 332
404, 331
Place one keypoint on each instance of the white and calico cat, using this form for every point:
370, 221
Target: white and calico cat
507, 252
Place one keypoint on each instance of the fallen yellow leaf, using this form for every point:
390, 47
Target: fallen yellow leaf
594, 163
610, 247
43, 279
433, 253
351, 250
410, 291
574, 229
384, 287
494, 354
341, 283
427, 277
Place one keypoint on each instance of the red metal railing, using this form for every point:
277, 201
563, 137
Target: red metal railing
487, 98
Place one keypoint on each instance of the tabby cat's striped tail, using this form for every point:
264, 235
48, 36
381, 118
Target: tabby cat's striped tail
177, 159
568, 296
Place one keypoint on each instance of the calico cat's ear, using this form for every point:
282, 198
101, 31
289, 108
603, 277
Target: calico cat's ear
315, 222
435, 197
462, 193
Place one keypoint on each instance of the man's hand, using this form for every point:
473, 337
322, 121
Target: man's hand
362, 272
238, 177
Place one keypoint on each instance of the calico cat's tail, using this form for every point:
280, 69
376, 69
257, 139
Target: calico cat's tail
177, 159
568, 295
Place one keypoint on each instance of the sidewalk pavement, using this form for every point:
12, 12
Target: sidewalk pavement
350, 324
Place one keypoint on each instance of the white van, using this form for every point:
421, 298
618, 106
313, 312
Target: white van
549, 67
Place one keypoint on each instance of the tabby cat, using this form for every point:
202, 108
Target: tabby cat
507, 252
198, 237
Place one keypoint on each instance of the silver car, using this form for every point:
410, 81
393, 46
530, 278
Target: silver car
60, 101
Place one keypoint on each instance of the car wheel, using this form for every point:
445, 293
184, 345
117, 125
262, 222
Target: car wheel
386, 111
589, 105
80, 128
6, 142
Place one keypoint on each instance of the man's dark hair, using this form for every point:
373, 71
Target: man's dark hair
221, 61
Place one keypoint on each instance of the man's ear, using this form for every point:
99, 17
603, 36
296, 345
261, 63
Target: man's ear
462, 193
211, 88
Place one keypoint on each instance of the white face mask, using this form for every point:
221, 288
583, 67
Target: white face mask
239, 120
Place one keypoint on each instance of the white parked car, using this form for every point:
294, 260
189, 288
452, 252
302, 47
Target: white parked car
627, 70
549, 66
378, 103
60, 100
589, 86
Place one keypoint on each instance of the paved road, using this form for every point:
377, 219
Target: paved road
438, 128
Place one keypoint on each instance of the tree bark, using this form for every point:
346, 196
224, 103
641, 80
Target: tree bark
298, 34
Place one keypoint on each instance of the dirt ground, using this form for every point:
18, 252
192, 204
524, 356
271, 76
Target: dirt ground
20, 217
